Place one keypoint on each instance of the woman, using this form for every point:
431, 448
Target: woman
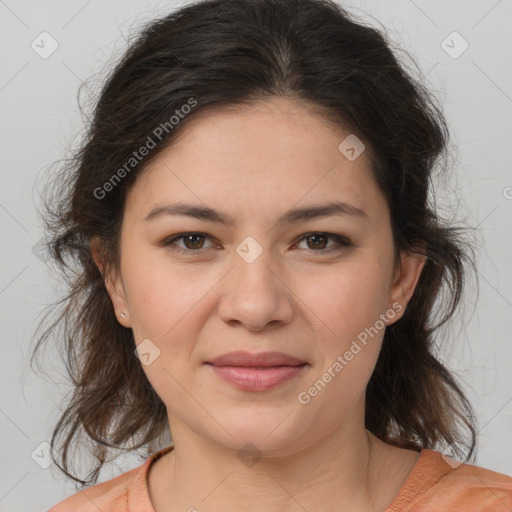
256, 261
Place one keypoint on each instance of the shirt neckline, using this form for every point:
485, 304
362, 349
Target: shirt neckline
138, 498
423, 472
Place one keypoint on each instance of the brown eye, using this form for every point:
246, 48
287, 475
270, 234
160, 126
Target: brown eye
318, 242
190, 242
193, 241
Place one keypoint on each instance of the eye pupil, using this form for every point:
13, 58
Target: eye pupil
187, 239
318, 245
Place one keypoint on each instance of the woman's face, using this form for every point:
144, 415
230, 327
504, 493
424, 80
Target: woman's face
258, 283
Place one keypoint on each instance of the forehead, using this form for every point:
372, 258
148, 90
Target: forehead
258, 158
270, 129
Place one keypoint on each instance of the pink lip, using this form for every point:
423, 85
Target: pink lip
256, 372
263, 359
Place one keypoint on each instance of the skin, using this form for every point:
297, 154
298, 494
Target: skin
254, 164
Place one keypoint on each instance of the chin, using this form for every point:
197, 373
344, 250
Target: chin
268, 434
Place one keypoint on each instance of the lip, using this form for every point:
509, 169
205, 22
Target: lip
250, 360
257, 372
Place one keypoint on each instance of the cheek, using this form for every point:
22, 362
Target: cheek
345, 306
347, 298
166, 304
162, 295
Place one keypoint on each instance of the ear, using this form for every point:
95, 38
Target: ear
406, 276
113, 284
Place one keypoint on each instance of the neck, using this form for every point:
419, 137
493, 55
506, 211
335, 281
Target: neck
343, 471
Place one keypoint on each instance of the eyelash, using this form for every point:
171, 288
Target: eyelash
340, 240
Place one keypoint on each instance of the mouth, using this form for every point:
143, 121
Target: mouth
257, 372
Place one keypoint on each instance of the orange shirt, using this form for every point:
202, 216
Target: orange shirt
435, 484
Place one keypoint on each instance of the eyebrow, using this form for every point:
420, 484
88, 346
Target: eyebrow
289, 217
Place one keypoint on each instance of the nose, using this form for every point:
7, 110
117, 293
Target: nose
255, 294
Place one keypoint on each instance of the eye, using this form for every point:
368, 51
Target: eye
319, 241
192, 242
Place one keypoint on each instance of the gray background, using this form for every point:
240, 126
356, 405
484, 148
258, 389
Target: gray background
40, 118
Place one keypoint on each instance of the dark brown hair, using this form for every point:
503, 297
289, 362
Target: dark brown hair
229, 53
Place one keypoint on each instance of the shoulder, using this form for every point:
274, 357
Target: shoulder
474, 485
439, 483
109, 496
